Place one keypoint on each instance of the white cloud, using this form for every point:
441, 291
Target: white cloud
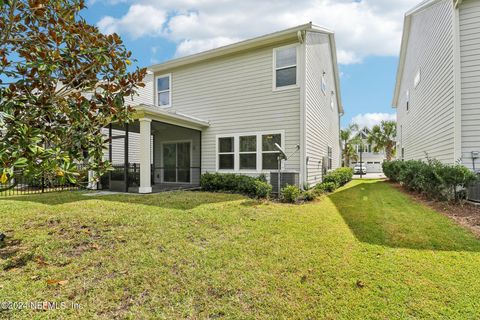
140, 20
370, 119
363, 28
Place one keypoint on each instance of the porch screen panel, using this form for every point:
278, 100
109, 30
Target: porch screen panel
183, 156
169, 162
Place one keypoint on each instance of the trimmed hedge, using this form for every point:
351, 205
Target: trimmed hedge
229, 182
432, 178
340, 176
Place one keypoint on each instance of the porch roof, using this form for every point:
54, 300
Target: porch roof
170, 117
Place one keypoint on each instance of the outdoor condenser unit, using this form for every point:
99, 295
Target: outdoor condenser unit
473, 193
288, 178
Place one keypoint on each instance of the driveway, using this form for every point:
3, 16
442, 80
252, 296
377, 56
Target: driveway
370, 176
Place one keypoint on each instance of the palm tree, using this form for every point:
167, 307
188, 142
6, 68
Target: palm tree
349, 140
383, 137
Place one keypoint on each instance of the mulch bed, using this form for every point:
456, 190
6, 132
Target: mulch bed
465, 214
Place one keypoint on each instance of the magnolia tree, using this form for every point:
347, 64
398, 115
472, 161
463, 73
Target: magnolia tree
61, 81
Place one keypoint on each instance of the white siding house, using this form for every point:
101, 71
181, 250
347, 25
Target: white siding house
241, 99
437, 93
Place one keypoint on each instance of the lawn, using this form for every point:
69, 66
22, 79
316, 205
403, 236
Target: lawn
366, 251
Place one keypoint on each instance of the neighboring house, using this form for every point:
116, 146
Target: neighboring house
372, 160
437, 94
223, 110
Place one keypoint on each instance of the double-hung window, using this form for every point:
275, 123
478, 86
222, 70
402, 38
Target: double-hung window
285, 65
226, 153
269, 151
164, 92
248, 152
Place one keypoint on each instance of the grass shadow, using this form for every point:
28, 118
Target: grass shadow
379, 214
180, 200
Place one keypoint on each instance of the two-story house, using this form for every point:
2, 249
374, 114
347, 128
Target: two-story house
223, 110
437, 94
371, 159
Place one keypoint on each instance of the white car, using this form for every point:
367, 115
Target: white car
360, 168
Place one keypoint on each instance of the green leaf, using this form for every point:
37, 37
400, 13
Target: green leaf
21, 163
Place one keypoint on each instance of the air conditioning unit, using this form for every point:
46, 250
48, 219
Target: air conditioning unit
287, 178
473, 193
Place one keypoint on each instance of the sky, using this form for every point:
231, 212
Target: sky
368, 35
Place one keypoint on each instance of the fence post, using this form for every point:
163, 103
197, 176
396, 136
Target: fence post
43, 182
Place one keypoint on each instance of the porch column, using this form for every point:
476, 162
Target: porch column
145, 161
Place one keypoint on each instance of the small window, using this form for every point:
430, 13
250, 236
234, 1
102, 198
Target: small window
403, 154
408, 100
248, 152
164, 91
324, 83
418, 78
269, 152
330, 158
226, 153
285, 67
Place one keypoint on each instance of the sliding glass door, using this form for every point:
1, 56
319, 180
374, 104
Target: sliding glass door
176, 162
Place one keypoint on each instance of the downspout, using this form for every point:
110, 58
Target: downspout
457, 101
303, 139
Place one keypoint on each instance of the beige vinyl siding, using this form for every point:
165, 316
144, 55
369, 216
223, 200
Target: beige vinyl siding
470, 75
428, 126
321, 122
146, 94
235, 94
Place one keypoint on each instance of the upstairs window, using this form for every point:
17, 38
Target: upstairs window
226, 153
164, 92
285, 62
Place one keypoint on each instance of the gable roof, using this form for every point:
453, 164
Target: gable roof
268, 39
425, 4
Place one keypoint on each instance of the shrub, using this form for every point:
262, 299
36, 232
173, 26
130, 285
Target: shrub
432, 178
455, 178
410, 175
392, 169
262, 189
310, 195
326, 187
340, 176
250, 186
291, 193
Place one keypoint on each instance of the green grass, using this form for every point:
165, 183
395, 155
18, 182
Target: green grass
366, 251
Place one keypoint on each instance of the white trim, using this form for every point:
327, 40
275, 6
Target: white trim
236, 149
457, 83
265, 40
167, 116
169, 75
303, 115
274, 68
162, 165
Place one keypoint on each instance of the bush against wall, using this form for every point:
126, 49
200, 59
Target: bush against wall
229, 182
432, 178
340, 176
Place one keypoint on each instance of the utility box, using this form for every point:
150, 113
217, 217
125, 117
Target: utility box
287, 178
473, 193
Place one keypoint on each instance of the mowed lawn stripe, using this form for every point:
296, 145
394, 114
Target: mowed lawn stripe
366, 251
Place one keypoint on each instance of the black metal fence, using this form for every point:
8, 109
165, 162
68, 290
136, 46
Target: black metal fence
21, 184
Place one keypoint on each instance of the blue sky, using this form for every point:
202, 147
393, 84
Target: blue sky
368, 34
